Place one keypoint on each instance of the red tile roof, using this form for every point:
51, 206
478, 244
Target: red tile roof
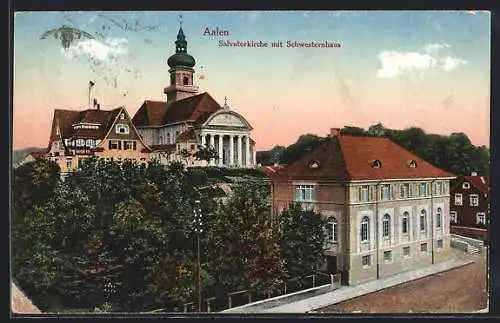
38, 155
196, 108
478, 183
66, 119
350, 158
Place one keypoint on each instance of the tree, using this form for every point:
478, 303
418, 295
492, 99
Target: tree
242, 247
302, 240
305, 143
377, 130
353, 131
206, 153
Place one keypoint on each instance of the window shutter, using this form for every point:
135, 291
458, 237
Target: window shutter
297, 193
360, 191
135, 145
109, 145
409, 190
119, 144
313, 193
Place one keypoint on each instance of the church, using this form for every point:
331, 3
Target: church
176, 128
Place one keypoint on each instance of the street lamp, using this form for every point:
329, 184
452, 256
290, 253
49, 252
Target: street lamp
198, 229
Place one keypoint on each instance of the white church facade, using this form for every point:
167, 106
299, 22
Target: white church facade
174, 129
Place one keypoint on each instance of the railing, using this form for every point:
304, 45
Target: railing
244, 297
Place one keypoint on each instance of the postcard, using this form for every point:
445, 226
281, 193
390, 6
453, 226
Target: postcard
250, 162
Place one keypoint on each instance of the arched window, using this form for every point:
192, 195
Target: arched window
386, 226
439, 217
405, 222
423, 216
365, 227
185, 80
331, 229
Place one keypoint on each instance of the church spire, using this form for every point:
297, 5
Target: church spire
181, 70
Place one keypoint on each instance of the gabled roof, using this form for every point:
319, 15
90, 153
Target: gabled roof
478, 182
352, 158
66, 118
196, 108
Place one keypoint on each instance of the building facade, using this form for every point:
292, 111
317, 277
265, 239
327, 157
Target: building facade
175, 128
386, 210
470, 202
108, 134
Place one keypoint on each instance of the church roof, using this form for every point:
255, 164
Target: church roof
352, 158
195, 109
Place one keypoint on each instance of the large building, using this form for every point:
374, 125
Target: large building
470, 206
175, 128
387, 210
108, 134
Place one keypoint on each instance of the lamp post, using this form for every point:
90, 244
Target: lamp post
198, 229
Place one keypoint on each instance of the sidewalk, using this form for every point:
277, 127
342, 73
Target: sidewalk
347, 292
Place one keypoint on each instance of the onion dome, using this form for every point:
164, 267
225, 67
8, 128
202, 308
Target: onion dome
181, 58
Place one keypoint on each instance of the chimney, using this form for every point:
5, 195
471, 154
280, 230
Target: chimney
334, 132
473, 174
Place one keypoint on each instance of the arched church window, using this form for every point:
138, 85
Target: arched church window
185, 80
172, 78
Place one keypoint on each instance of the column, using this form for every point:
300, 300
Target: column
203, 140
220, 150
240, 151
212, 145
254, 157
247, 153
231, 150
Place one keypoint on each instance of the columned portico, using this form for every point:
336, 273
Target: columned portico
240, 151
247, 153
221, 151
212, 145
233, 149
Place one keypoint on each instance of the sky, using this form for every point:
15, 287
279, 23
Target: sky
429, 69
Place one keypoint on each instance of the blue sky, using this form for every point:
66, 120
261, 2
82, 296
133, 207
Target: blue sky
426, 69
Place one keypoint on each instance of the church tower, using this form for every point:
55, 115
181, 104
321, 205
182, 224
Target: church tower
181, 71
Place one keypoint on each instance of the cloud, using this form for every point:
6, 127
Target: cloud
102, 51
431, 48
395, 63
451, 63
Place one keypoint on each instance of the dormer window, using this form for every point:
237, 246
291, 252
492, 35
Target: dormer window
122, 116
122, 129
313, 164
376, 163
412, 163
466, 185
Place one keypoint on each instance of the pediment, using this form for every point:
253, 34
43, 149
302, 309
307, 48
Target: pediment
227, 120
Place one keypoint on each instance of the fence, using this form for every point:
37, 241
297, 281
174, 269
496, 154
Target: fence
243, 297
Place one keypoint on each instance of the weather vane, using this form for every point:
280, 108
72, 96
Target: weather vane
180, 20
225, 101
